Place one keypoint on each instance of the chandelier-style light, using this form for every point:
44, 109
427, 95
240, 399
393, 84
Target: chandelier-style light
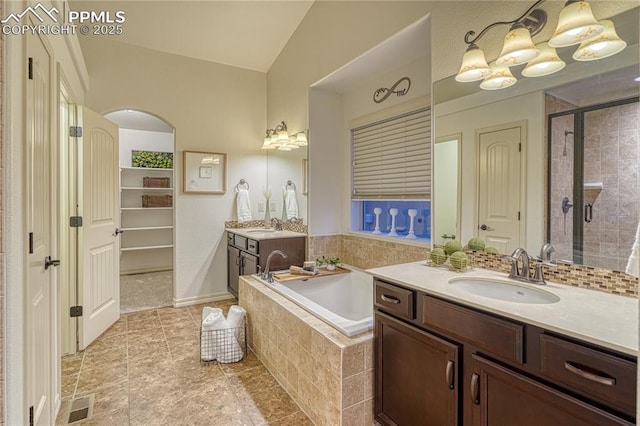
576, 25
279, 138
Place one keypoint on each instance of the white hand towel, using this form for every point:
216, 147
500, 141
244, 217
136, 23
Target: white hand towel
243, 205
633, 265
213, 330
231, 350
291, 203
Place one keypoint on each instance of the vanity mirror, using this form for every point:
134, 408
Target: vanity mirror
538, 112
285, 174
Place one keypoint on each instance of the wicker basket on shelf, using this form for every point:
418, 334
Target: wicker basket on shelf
155, 182
157, 200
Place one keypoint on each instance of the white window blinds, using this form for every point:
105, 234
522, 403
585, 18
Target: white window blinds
392, 157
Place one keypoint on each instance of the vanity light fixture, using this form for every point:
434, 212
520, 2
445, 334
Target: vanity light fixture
576, 25
279, 138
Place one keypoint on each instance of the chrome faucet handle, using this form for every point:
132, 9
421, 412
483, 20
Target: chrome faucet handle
539, 276
545, 252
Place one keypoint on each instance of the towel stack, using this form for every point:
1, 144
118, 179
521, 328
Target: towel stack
219, 335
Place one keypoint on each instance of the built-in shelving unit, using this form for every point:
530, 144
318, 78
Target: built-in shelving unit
147, 238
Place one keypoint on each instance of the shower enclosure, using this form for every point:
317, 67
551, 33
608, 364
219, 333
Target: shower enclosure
593, 163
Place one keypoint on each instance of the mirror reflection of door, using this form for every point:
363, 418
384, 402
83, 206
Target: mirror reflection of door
499, 186
446, 184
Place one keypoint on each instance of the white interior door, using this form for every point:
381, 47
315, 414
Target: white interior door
41, 326
100, 247
499, 188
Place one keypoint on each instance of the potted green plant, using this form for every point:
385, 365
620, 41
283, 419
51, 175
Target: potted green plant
329, 262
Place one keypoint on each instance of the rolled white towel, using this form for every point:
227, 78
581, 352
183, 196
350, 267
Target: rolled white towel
209, 309
234, 318
213, 330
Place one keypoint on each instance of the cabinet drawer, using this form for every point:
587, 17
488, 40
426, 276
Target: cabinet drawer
253, 246
229, 238
494, 336
239, 241
590, 371
395, 300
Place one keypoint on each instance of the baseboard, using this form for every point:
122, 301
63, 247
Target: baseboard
146, 270
195, 300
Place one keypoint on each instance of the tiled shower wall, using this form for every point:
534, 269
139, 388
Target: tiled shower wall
612, 157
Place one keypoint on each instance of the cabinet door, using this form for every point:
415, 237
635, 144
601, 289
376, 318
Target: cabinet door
502, 397
416, 376
249, 264
233, 269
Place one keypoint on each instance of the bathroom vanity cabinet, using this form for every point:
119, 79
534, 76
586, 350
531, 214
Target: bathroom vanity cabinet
248, 249
442, 363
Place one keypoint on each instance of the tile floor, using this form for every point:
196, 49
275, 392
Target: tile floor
139, 292
145, 370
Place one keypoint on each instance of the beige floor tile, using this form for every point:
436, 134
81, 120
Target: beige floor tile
146, 370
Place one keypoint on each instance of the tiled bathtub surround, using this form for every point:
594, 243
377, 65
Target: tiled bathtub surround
366, 253
329, 375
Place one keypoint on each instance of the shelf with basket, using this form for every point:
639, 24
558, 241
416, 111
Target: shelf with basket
146, 217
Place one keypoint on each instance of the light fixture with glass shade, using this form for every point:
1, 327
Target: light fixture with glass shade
547, 62
518, 47
604, 45
500, 78
576, 24
279, 138
474, 65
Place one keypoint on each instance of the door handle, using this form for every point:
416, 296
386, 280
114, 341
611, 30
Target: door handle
484, 227
588, 212
117, 232
449, 374
583, 372
475, 389
50, 262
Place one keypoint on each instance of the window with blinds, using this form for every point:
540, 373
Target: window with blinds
392, 157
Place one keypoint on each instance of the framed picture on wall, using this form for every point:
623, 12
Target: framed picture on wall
204, 172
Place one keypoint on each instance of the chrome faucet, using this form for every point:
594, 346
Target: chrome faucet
517, 273
545, 252
267, 275
278, 224
524, 274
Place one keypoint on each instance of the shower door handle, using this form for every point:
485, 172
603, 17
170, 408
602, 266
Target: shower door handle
588, 212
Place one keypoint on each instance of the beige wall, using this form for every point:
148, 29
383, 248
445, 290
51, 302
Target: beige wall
213, 107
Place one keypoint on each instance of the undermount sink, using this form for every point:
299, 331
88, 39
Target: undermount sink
260, 231
509, 291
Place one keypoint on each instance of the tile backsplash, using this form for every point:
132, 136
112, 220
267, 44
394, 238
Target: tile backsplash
366, 253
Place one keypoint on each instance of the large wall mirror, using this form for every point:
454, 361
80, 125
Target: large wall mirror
577, 175
285, 176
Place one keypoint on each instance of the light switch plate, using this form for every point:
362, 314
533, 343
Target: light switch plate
272, 206
261, 207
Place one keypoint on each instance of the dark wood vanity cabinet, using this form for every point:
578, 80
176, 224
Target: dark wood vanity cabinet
244, 255
441, 363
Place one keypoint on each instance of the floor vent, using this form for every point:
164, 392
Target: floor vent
81, 409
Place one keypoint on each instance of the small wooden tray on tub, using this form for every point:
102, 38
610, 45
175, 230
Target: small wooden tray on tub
286, 276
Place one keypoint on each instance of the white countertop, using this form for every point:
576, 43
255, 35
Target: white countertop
601, 318
264, 234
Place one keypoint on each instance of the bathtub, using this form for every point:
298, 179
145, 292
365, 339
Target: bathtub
344, 301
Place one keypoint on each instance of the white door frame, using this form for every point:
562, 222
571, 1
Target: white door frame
522, 124
68, 152
458, 138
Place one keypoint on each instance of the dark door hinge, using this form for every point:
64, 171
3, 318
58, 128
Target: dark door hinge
30, 242
75, 311
31, 416
75, 221
518, 215
30, 69
520, 147
75, 131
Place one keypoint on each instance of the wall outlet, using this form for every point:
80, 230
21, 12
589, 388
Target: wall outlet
261, 207
272, 206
